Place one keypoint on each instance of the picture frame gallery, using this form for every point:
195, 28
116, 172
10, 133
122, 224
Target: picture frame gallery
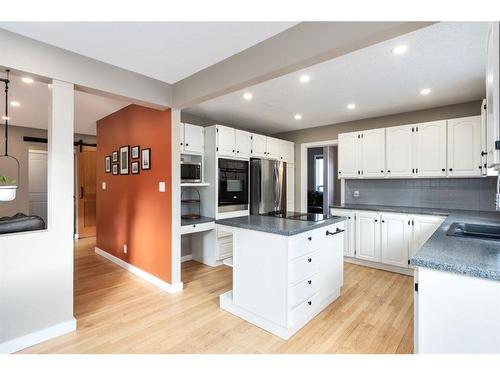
128, 160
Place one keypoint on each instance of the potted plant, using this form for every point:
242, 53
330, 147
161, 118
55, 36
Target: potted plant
8, 188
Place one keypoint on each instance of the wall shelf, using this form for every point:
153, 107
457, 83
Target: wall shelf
195, 184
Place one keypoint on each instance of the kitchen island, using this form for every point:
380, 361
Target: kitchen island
285, 271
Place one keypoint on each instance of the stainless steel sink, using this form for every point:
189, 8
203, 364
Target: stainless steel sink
485, 232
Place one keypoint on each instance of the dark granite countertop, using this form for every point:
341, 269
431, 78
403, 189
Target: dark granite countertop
201, 220
465, 256
276, 225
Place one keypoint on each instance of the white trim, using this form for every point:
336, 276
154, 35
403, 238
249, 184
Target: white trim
163, 285
379, 266
37, 337
186, 258
303, 168
175, 182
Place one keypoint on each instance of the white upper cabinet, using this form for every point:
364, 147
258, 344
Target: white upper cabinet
259, 146
287, 151
225, 141
399, 149
182, 137
464, 147
430, 149
368, 236
373, 153
348, 155
395, 239
290, 187
243, 144
193, 138
273, 148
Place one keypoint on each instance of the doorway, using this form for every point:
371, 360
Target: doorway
86, 191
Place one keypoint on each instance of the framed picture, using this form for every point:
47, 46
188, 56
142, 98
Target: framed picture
124, 159
115, 169
135, 167
114, 156
146, 159
107, 164
135, 152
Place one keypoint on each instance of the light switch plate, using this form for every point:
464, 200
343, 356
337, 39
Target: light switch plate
161, 187
103, 186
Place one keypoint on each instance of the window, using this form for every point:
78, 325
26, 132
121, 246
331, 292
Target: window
318, 173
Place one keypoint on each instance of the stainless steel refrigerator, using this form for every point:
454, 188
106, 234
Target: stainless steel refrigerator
267, 186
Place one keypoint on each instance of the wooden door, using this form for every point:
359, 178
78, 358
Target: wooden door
373, 146
399, 149
430, 149
368, 236
86, 190
464, 147
348, 155
396, 239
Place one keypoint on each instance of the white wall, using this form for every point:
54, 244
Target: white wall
36, 268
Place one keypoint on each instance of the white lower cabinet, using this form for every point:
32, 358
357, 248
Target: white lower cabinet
395, 239
368, 235
385, 237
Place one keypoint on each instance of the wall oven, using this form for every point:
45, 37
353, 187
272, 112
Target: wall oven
233, 183
190, 172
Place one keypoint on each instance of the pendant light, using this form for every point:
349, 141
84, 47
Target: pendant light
8, 186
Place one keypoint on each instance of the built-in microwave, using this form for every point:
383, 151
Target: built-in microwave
190, 172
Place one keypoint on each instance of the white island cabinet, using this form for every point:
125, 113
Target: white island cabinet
280, 282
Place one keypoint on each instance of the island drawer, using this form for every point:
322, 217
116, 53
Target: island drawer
304, 267
304, 311
304, 243
303, 290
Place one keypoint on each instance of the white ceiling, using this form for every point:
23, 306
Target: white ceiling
34, 100
449, 58
167, 51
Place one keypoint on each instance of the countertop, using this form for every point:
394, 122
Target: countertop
200, 220
465, 256
276, 225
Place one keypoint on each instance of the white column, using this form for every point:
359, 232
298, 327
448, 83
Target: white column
176, 200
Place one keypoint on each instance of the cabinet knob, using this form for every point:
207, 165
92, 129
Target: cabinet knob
443, 169
388, 171
309, 260
309, 303
381, 171
187, 144
238, 151
309, 238
340, 172
480, 167
182, 143
309, 282
451, 169
233, 150
376, 220
383, 221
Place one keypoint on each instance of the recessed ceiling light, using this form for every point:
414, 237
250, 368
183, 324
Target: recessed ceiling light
399, 50
298, 117
27, 80
351, 106
5, 118
304, 78
15, 103
425, 91
248, 96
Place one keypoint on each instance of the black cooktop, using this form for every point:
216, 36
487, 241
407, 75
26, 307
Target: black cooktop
299, 216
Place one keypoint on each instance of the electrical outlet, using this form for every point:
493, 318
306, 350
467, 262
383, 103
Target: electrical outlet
125, 249
355, 193
161, 187
103, 186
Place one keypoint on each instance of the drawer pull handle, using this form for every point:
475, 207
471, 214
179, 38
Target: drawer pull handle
337, 231
309, 238
309, 260
309, 303
309, 282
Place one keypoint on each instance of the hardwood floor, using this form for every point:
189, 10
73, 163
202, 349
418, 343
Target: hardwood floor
120, 313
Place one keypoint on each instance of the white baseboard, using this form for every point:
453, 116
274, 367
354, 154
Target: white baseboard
380, 266
37, 337
76, 236
163, 285
186, 258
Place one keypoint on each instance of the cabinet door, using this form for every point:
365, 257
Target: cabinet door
348, 155
291, 153
290, 187
182, 137
373, 153
399, 151
350, 230
259, 146
493, 94
368, 235
225, 141
331, 254
286, 151
464, 147
423, 228
243, 144
484, 140
193, 138
395, 239
273, 148
430, 150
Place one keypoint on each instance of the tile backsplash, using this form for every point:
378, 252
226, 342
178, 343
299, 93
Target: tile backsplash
454, 193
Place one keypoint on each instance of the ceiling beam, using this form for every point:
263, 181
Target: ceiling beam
299, 47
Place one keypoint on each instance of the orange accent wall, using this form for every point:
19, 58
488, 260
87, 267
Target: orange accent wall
131, 210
